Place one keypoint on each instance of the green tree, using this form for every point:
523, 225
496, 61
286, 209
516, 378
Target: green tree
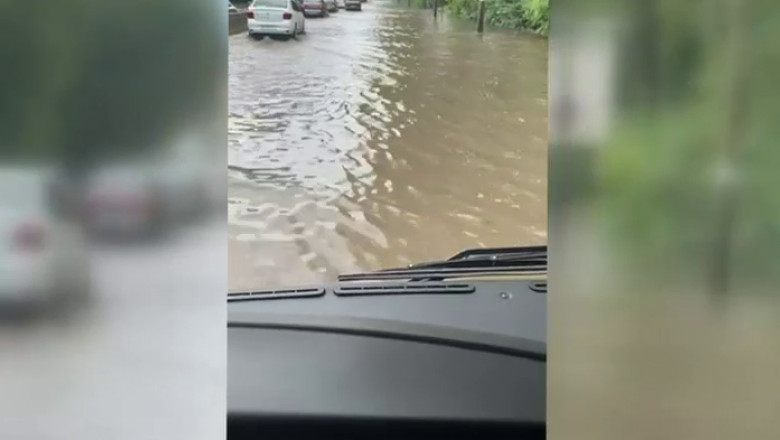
89, 79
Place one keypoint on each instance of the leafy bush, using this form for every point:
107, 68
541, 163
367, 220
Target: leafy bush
518, 14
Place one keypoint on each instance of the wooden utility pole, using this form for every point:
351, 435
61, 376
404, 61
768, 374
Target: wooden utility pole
481, 17
435, 8
733, 140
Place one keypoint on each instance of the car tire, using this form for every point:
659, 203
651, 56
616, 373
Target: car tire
69, 305
257, 37
79, 296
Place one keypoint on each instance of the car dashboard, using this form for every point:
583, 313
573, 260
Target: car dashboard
388, 359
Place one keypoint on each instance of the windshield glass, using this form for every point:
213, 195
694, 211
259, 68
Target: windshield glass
282, 4
358, 148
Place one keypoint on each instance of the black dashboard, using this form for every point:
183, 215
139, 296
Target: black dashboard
412, 359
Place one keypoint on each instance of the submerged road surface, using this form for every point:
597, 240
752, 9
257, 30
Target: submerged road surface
381, 138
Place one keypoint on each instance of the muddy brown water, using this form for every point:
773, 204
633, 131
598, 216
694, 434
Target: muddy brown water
381, 138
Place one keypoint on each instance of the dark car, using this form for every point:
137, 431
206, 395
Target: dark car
353, 5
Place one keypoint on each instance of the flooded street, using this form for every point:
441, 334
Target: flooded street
381, 138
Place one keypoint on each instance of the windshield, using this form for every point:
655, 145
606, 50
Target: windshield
360, 147
281, 4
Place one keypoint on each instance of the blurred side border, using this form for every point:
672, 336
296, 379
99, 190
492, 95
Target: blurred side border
663, 219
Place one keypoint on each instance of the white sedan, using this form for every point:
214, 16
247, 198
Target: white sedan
43, 254
275, 18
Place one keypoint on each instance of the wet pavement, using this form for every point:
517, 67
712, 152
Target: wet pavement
381, 138
146, 358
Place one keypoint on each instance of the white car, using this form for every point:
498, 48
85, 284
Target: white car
43, 255
275, 18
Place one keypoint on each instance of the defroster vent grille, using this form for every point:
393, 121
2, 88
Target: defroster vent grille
275, 294
403, 289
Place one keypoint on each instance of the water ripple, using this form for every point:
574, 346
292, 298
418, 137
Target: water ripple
378, 139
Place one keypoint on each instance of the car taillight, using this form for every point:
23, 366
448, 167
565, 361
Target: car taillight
250, 14
287, 16
30, 236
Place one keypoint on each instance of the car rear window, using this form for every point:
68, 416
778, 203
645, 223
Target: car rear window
270, 4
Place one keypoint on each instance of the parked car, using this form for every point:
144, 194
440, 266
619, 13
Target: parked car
275, 18
148, 195
353, 5
332, 5
315, 8
340, 4
43, 255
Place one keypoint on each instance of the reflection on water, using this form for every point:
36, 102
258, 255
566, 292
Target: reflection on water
379, 139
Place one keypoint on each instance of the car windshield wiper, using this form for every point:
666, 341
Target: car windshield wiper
487, 261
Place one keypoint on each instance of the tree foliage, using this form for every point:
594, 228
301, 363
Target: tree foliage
95, 78
700, 118
519, 14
